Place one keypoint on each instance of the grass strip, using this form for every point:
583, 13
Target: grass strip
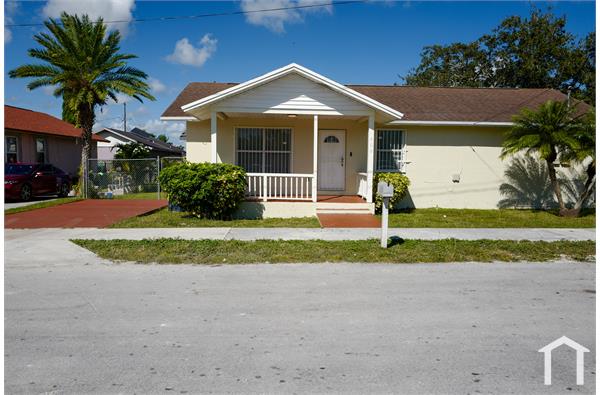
419, 218
294, 251
503, 218
168, 219
42, 204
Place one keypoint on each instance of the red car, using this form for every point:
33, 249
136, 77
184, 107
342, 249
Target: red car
22, 181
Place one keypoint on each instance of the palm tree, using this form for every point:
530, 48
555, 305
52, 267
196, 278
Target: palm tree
545, 132
583, 152
83, 62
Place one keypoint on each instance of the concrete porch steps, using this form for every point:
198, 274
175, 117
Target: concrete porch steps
345, 208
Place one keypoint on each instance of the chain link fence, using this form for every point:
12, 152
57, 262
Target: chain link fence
125, 178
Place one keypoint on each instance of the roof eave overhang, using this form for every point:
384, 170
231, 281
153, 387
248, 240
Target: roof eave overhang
178, 118
292, 68
451, 123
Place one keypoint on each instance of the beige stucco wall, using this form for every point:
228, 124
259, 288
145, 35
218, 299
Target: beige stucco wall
435, 154
198, 142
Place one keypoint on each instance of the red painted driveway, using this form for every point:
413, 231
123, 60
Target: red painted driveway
82, 214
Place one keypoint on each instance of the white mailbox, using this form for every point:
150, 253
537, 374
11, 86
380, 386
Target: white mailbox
385, 190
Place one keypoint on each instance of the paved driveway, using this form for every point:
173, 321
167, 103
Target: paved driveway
91, 213
78, 324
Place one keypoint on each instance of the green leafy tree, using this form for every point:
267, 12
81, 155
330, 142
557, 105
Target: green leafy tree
83, 61
546, 132
163, 137
132, 151
583, 151
532, 52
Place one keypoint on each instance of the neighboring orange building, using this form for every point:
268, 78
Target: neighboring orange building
36, 137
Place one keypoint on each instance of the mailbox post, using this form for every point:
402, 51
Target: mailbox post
386, 191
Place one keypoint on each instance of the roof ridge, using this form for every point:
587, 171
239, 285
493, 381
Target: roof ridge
403, 86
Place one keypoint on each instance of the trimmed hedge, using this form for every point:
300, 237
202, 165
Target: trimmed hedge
400, 183
207, 190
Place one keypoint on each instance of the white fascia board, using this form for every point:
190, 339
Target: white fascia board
293, 68
450, 123
181, 118
118, 134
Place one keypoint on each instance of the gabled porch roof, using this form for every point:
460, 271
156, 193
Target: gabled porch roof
200, 108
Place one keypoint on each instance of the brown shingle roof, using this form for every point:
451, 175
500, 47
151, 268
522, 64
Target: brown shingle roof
38, 122
417, 103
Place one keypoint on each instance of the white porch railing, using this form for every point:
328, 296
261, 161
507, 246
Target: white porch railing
279, 186
362, 185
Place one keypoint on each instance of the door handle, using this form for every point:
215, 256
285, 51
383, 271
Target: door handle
342, 161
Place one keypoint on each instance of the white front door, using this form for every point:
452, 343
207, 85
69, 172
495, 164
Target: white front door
332, 160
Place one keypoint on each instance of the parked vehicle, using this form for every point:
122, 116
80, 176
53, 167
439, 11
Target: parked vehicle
22, 181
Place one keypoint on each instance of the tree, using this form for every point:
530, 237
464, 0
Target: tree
583, 151
453, 65
132, 151
546, 131
83, 61
533, 52
163, 137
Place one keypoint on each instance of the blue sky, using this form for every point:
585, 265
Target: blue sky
367, 43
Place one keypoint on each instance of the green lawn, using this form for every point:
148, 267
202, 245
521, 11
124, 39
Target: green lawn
420, 218
465, 218
168, 219
279, 251
42, 204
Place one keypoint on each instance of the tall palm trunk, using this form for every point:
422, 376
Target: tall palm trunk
85, 119
554, 181
587, 189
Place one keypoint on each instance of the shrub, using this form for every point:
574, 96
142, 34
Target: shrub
207, 190
400, 183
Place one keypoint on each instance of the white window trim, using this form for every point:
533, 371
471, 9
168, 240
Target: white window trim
402, 150
6, 151
263, 151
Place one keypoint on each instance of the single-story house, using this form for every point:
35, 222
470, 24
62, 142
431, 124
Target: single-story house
35, 137
304, 137
114, 137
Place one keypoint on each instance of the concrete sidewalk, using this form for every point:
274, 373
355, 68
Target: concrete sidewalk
533, 234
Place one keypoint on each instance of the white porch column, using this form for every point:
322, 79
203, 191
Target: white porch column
315, 156
213, 137
370, 158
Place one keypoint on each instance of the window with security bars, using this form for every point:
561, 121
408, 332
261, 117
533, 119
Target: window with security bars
264, 150
390, 150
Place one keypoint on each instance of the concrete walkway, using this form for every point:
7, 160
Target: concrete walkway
534, 234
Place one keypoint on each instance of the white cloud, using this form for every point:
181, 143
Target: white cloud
10, 9
185, 53
156, 86
276, 20
172, 129
109, 10
49, 89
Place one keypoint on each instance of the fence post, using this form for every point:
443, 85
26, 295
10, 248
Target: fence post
157, 180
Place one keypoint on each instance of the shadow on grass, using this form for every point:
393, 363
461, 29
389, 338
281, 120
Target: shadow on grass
395, 241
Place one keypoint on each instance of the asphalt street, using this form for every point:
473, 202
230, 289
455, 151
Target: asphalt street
75, 323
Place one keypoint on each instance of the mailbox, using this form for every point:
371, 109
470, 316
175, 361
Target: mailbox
385, 190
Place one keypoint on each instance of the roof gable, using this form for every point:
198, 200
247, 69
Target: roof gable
197, 107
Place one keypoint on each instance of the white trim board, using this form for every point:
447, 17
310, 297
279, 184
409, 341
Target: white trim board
450, 123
